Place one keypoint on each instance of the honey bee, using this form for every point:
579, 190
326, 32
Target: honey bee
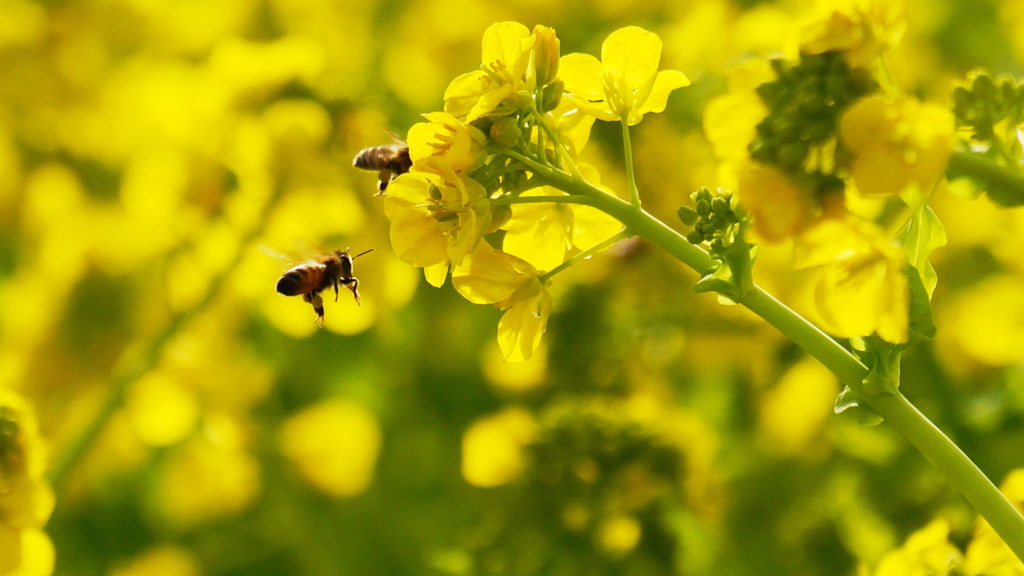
390, 160
308, 279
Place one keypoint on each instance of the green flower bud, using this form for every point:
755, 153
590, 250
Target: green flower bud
551, 96
703, 208
719, 206
687, 215
984, 87
505, 132
792, 154
499, 216
694, 237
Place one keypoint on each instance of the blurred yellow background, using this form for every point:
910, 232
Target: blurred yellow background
197, 422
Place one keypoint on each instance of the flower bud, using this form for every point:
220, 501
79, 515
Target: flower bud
499, 216
547, 54
551, 95
505, 132
687, 215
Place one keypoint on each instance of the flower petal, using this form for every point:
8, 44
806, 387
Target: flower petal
503, 42
582, 74
416, 238
634, 53
664, 84
485, 276
539, 233
523, 325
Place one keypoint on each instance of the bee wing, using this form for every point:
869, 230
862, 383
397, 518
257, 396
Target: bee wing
398, 139
303, 254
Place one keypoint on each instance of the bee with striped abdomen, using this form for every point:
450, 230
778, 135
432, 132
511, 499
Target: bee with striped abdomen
308, 279
390, 160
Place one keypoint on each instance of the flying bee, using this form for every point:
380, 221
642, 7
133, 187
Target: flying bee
308, 279
390, 160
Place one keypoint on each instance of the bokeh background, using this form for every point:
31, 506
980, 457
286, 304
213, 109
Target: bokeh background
198, 423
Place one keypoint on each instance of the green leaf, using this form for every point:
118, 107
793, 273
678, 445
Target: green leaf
922, 324
847, 402
924, 235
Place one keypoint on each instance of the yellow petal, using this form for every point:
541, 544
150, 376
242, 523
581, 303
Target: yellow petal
880, 173
539, 233
435, 275
465, 91
868, 124
503, 42
582, 74
485, 276
634, 53
416, 238
522, 326
664, 84
730, 124
591, 226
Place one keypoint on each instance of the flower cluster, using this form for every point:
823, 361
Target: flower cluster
26, 500
991, 111
824, 151
478, 201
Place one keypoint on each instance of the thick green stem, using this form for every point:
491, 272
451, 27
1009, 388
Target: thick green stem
1004, 186
897, 411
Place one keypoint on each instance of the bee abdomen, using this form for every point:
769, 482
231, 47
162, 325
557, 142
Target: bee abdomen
294, 282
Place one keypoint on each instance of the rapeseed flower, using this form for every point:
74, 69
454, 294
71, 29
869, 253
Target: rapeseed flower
490, 276
26, 500
863, 30
896, 143
490, 90
625, 84
437, 216
543, 233
445, 136
863, 288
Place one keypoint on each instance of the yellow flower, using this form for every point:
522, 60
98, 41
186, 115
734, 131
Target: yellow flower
437, 216
863, 289
334, 444
863, 29
730, 120
626, 81
987, 554
484, 92
896, 144
780, 208
490, 276
926, 552
26, 500
494, 447
541, 234
445, 136
571, 124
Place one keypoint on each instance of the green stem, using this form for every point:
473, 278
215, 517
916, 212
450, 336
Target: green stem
563, 154
607, 243
138, 361
894, 408
570, 199
627, 146
1004, 186
534, 166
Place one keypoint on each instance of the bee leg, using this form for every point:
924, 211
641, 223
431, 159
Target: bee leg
335, 290
318, 306
353, 285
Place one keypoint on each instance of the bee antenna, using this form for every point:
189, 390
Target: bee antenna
361, 253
